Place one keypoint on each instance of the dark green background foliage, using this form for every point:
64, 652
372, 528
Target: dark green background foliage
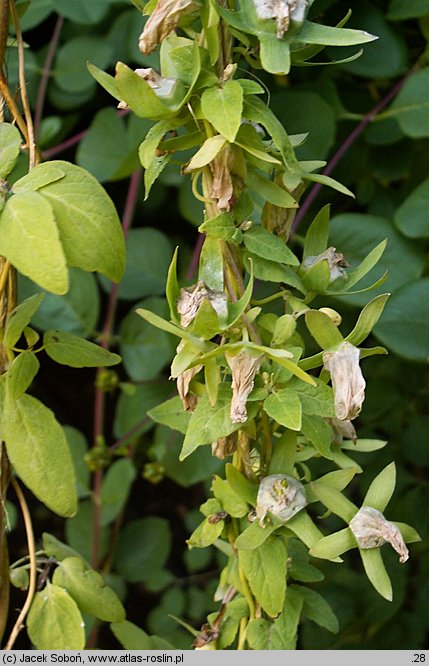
388, 170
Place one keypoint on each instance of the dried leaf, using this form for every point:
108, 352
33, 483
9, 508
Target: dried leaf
336, 262
281, 495
225, 446
163, 20
244, 367
347, 380
371, 530
190, 300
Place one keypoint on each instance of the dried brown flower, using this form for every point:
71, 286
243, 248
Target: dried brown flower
347, 380
371, 529
344, 429
244, 367
224, 446
163, 20
183, 381
222, 188
190, 300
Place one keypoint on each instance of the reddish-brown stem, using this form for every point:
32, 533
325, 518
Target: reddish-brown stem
342, 150
100, 395
46, 72
193, 264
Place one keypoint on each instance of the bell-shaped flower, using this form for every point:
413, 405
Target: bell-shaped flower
244, 367
371, 529
163, 20
281, 495
347, 380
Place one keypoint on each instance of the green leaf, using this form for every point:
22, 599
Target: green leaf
364, 267
401, 10
376, 572
410, 107
144, 546
88, 589
367, 319
55, 548
38, 450
282, 633
54, 621
261, 242
411, 216
265, 570
323, 329
139, 95
19, 318
274, 54
172, 289
254, 536
317, 236
329, 182
134, 403
105, 80
29, 238
89, 227
211, 264
317, 609
284, 406
408, 304
231, 501
144, 349
315, 33
241, 485
70, 72
171, 414
317, 278
222, 226
316, 400
151, 142
284, 453
115, 489
235, 310
212, 378
334, 500
333, 545
21, 373
272, 271
317, 431
381, 489
132, 637
304, 528
10, 145
157, 321
207, 423
78, 448
70, 350
207, 153
205, 534
257, 111
223, 106
270, 191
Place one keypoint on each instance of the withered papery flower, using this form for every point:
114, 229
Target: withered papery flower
344, 429
224, 446
371, 530
281, 495
190, 300
163, 20
189, 400
282, 10
222, 188
347, 380
336, 262
244, 367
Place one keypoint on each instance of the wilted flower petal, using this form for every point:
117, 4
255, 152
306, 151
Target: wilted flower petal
222, 187
224, 446
371, 529
336, 262
244, 367
191, 298
345, 429
281, 495
347, 380
282, 11
183, 381
162, 21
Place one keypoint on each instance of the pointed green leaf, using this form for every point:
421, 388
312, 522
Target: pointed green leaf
55, 548
132, 637
317, 431
166, 326
222, 226
172, 290
330, 182
71, 350
205, 534
29, 238
21, 373
257, 111
315, 33
37, 448
211, 264
265, 570
409, 534
316, 238
139, 95
376, 571
304, 528
241, 485
152, 140
316, 400
54, 621
334, 500
206, 154
231, 501
235, 310
19, 318
333, 545
212, 379
88, 589
317, 609
282, 634
368, 318
105, 80
284, 453
154, 170
381, 489
115, 489
89, 227
254, 536
261, 242
171, 414
365, 266
323, 329
284, 406
270, 191
223, 107
272, 271
10, 144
